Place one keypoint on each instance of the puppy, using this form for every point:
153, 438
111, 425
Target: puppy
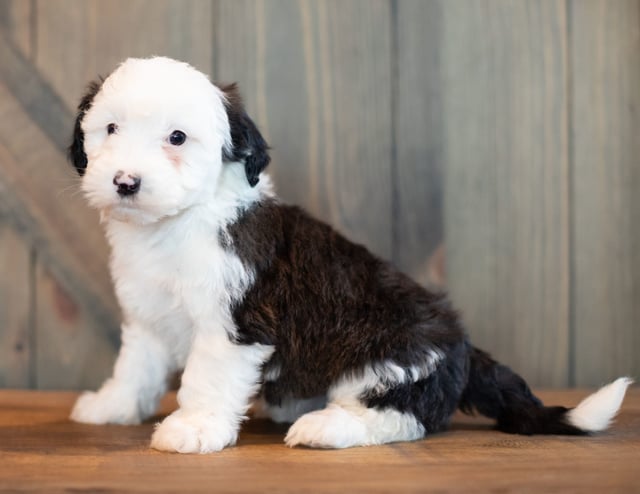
256, 300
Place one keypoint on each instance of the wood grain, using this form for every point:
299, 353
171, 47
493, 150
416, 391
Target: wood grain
16, 21
67, 61
43, 452
419, 126
33, 93
42, 191
246, 39
71, 352
605, 43
507, 130
49, 212
316, 76
16, 343
181, 30
100, 35
506, 201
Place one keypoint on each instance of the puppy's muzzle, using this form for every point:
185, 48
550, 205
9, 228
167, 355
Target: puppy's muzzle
126, 184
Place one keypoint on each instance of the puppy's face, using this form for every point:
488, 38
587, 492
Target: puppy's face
151, 140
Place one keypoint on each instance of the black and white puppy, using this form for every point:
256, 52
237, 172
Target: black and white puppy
256, 300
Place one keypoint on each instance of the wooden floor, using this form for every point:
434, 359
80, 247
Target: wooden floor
40, 450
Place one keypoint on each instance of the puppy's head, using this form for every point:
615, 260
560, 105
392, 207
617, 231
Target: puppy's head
152, 139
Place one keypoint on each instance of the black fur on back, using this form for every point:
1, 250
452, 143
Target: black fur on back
331, 307
75, 152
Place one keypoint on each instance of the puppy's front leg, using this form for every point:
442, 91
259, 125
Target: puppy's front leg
218, 381
139, 381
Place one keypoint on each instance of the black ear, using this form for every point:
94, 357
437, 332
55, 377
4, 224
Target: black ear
75, 152
248, 145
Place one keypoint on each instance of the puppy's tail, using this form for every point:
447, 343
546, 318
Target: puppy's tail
496, 391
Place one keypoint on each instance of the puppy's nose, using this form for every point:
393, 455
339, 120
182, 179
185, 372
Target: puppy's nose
127, 184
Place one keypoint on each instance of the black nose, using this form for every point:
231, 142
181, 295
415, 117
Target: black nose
127, 185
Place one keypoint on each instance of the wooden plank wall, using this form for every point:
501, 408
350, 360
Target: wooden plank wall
507, 187
489, 148
606, 181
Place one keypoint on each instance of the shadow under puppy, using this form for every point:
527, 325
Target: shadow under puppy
255, 299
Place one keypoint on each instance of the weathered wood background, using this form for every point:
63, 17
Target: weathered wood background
488, 147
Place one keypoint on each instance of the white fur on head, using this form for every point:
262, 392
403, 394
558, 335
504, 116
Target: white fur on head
146, 100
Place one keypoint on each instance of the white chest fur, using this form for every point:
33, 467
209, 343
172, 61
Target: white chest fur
174, 277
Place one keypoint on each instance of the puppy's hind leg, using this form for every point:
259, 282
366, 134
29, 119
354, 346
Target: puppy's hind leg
351, 419
348, 425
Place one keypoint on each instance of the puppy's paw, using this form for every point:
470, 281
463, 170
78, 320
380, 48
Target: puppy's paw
332, 427
107, 406
192, 433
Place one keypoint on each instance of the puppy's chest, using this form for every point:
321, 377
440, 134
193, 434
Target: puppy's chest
183, 278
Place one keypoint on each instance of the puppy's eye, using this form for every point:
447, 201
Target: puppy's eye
177, 138
112, 128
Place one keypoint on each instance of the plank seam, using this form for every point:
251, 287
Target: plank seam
33, 28
215, 7
33, 322
393, 101
569, 91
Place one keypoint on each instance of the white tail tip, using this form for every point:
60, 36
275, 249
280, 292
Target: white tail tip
596, 411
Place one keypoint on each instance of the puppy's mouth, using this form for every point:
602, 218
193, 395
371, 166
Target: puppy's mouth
125, 203
127, 212
133, 210
127, 208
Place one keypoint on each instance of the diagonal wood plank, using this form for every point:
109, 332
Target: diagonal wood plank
74, 333
605, 44
506, 201
34, 94
41, 190
317, 78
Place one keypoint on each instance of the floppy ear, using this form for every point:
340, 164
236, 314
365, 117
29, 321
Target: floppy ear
75, 152
247, 144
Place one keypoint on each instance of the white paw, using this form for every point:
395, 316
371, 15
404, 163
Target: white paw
193, 433
107, 406
332, 427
